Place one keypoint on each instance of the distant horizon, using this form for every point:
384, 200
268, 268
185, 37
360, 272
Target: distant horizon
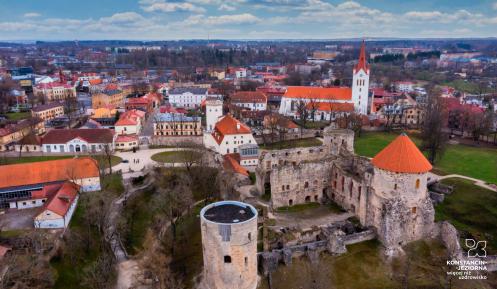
353, 39
163, 20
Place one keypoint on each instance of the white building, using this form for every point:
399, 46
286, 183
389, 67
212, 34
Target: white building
404, 86
253, 100
188, 97
360, 83
78, 140
228, 135
59, 207
213, 110
331, 99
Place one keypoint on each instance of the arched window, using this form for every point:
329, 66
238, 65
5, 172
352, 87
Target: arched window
306, 184
227, 259
395, 186
417, 184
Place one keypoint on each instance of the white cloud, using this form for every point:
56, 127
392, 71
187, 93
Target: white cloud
494, 6
32, 15
163, 6
226, 7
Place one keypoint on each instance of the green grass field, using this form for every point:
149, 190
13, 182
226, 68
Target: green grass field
175, 156
294, 143
480, 163
18, 115
471, 209
29, 159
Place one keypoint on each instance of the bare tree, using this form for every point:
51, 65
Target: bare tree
303, 113
432, 134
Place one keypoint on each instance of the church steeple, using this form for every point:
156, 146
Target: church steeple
362, 64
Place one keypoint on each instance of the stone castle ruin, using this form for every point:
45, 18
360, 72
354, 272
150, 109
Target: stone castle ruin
388, 193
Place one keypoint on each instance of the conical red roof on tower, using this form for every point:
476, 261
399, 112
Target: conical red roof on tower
362, 64
402, 156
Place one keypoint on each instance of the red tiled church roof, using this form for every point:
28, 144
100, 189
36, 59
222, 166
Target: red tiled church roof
310, 92
331, 106
402, 156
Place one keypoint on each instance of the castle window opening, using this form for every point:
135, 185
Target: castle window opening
287, 187
413, 210
307, 199
290, 202
227, 259
395, 186
246, 261
316, 198
306, 184
417, 184
249, 237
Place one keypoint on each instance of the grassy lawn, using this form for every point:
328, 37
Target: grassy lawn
29, 159
18, 115
472, 210
363, 266
294, 143
175, 156
298, 208
480, 163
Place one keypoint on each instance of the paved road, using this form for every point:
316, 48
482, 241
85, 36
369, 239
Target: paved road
139, 160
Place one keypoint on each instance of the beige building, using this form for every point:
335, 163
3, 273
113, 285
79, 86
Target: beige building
13, 133
111, 96
48, 111
54, 91
177, 124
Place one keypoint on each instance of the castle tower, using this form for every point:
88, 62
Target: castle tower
229, 243
213, 110
360, 83
400, 207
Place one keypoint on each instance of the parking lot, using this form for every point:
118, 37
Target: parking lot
18, 219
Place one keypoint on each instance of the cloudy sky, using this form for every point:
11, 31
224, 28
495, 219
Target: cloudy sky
244, 19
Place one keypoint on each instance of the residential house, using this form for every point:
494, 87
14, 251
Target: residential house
12, 133
48, 111
228, 135
328, 111
140, 103
60, 202
112, 96
126, 142
130, 122
78, 140
253, 100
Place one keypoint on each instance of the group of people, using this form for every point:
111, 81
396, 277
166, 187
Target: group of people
136, 161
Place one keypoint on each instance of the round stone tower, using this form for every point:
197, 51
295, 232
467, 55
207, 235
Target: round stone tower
229, 244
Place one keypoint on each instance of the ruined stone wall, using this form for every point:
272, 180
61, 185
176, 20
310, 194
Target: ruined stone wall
240, 245
300, 183
273, 160
338, 140
350, 182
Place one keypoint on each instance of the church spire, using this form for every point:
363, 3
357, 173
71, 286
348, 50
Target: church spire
362, 64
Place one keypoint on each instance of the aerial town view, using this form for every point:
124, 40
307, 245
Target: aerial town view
248, 144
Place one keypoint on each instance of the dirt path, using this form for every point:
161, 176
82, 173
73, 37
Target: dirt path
477, 182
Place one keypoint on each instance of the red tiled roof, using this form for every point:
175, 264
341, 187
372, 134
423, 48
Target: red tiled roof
229, 125
230, 163
126, 138
51, 85
310, 92
97, 135
331, 106
61, 201
95, 81
126, 121
111, 86
48, 171
249, 97
402, 156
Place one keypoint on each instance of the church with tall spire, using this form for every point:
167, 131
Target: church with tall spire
360, 83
